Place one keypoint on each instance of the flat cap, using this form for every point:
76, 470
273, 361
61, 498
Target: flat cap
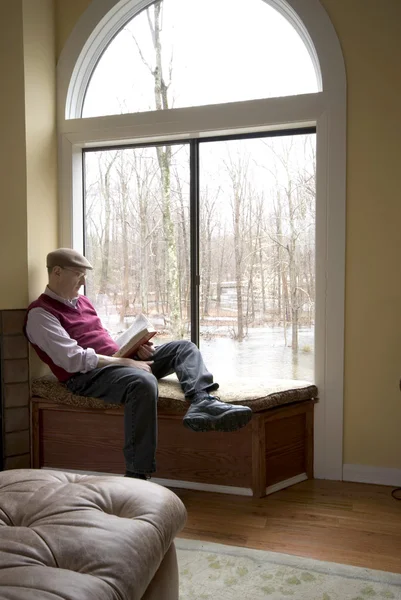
67, 257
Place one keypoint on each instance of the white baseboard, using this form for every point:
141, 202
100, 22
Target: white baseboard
228, 489
286, 483
377, 475
188, 485
201, 487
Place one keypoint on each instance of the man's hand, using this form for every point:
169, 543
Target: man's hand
145, 365
138, 364
146, 351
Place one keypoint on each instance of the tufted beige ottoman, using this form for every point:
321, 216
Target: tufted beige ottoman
72, 537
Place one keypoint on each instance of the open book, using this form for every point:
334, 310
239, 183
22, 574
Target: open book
137, 334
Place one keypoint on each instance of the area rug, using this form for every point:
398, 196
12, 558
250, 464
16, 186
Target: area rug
215, 572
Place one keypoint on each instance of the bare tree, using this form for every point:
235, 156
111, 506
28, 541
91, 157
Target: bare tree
221, 258
207, 226
105, 166
155, 67
292, 222
237, 171
125, 171
183, 244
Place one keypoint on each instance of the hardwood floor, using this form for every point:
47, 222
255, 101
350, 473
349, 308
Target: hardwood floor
349, 523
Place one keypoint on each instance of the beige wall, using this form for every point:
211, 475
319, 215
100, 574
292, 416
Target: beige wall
41, 139
67, 15
370, 36
28, 151
40, 145
13, 215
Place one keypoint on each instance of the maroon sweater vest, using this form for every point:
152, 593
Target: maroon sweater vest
81, 323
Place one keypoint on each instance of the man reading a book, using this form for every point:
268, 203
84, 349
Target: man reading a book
67, 335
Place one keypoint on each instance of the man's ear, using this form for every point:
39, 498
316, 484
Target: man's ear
57, 271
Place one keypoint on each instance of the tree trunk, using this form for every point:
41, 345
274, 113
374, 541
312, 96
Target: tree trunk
207, 254
185, 273
207, 274
124, 219
220, 275
285, 303
293, 275
238, 264
143, 259
105, 250
262, 278
282, 288
164, 160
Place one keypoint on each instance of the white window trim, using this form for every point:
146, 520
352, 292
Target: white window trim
326, 109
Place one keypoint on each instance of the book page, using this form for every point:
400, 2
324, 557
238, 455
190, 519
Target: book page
141, 323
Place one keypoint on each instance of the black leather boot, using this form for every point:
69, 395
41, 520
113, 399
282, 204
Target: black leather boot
207, 413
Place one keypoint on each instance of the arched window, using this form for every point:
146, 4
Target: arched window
202, 163
178, 53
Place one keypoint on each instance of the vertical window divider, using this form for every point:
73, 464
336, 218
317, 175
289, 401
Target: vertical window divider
194, 238
84, 208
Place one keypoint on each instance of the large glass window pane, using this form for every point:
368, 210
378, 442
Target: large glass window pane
179, 53
257, 256
137, 237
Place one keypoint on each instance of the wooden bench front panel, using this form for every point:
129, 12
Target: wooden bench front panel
93, 441
285, 448
275, 446
89, 441
208, 457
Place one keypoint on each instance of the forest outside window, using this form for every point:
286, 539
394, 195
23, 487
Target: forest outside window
239, 248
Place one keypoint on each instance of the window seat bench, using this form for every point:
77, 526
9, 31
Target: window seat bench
273, 451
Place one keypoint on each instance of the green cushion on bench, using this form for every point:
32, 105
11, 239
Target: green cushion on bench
258, 394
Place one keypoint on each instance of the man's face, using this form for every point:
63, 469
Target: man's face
70, 280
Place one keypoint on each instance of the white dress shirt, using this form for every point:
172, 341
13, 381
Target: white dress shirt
45, 331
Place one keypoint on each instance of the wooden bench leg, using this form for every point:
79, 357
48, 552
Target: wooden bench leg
258, 456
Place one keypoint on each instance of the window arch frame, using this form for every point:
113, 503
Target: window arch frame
111, 25
326, 109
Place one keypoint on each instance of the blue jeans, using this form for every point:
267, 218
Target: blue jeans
138, 391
